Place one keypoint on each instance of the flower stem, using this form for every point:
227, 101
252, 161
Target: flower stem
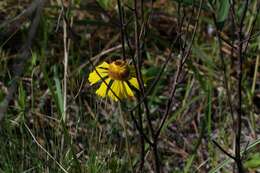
126, 138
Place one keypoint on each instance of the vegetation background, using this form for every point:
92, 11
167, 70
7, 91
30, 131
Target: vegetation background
199, 112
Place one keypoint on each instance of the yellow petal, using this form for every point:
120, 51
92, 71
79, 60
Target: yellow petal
97, 73
128, 90
102, 90
94, 77
115, 87
103, 65
121, 90
133, 81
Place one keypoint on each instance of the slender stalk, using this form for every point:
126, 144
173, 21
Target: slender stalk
124, 124
139, 111
142, 138
137, 65
65, 63
121, 27
240, 76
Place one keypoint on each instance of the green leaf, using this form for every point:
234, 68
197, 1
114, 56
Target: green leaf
253, 162
59, 93
222, 12
54, 93
104, 3
189, 163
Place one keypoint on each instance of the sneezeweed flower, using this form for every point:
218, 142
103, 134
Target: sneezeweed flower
117, 76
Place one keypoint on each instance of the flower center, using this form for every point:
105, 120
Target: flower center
119, 70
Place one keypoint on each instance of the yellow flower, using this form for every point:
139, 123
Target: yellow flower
118, 75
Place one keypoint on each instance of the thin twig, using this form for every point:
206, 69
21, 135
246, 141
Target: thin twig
240, 76
176, 77
137, 63
124, 124
122, 28
223, 150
